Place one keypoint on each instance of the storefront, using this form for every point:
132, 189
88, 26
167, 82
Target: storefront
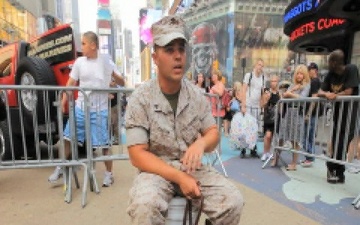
321, 26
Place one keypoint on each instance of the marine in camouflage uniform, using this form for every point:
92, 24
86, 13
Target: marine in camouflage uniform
150, 120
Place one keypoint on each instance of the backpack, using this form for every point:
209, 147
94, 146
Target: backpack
225, 99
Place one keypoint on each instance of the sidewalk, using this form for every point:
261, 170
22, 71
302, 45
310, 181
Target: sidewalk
27, 198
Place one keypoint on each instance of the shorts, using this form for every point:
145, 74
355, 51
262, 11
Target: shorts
98, 127
228, 115
269, 127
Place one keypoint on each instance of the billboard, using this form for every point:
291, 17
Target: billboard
146, 19
104, 2
211, 45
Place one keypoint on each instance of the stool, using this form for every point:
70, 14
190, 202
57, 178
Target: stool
176, 210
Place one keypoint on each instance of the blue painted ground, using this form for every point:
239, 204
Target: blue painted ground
304, 190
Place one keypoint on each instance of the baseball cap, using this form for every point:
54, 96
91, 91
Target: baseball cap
313, 65
167, 29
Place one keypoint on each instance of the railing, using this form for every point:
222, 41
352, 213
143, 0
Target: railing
335, 125
39, 119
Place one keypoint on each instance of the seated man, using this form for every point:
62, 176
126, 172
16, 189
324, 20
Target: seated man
163, 119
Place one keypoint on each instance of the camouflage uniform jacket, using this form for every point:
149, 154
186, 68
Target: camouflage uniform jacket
150, 119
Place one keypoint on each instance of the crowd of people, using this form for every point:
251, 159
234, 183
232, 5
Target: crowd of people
170, 124
259, 93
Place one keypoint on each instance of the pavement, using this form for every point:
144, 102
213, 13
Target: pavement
272, 195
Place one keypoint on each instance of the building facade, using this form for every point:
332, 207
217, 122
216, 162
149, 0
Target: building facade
19, 18
17, 21
231, 34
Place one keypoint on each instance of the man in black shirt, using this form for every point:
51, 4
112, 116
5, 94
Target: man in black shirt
310, 115
342, 80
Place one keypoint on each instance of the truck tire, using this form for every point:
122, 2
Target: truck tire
5, 145
36, 71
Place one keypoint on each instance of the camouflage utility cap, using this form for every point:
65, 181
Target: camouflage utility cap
168, 29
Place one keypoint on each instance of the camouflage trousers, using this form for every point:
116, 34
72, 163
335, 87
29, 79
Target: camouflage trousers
150, 195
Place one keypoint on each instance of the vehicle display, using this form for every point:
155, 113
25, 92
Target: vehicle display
46, 60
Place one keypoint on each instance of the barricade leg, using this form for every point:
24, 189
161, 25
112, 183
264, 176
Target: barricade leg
68, 183
273, 154
221, 163
356, 202
76, 179
68, 172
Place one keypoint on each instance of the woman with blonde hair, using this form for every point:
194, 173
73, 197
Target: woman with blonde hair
292, 124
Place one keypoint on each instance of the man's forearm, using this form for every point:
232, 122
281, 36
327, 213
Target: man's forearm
210, 139
146, 161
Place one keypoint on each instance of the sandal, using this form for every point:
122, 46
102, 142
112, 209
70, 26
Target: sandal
274, 162
291, 167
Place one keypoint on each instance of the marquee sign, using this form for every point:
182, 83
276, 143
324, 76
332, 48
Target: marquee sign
315, 26
299, 9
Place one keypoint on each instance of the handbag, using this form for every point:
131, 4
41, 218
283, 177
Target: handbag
235, 106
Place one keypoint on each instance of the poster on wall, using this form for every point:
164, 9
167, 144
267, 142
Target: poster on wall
211, 45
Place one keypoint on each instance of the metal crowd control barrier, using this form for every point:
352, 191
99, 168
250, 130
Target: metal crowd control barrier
335, 123
33, 120
90, 100
32, 135
217, 151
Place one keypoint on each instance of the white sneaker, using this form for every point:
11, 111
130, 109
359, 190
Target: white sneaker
353, 169
269, 155
58, 172
108, 179
264, 156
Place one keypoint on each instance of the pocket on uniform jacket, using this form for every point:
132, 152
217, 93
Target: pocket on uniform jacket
161, 132
191, 130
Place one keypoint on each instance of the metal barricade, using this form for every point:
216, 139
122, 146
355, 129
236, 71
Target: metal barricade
90, 106
335, 124
31, 116
214, 98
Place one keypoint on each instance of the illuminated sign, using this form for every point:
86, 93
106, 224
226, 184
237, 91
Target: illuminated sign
320, 24
303, 7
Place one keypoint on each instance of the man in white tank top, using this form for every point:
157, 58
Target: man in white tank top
92, 70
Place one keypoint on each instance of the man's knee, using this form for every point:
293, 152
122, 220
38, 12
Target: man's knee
147, 210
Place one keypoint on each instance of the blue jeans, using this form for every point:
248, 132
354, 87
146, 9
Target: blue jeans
308, 142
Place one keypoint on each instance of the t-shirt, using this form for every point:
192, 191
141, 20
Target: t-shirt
253, 92
315, 85
270, 108
337, 83
93, 73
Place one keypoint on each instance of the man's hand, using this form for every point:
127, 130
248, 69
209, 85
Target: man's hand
190, 187
193, 155
330, 95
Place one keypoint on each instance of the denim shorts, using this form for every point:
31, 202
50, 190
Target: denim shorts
98, 126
